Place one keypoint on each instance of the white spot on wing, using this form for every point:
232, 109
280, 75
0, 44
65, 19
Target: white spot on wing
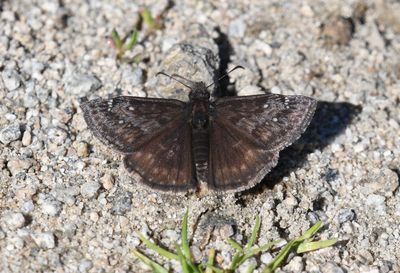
266, 105
274, 119
131, 108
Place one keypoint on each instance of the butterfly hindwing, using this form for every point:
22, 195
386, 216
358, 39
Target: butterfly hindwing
165, 162
236, 161
125, 123
247, 134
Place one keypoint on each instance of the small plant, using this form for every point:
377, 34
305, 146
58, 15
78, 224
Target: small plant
123, 45
183, 255
149, 20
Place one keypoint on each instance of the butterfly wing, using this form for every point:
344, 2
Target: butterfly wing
154, 135
125, 123
250, 132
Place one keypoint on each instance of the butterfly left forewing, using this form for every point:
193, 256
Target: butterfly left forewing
274, 121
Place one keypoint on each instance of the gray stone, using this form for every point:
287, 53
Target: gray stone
13, 220
10, 133
85, 265
90, 189
121, 201
346, 215
45, 240
237, 28
377, 203
193, 62
51, 207
81, 84
11, 79
134, 76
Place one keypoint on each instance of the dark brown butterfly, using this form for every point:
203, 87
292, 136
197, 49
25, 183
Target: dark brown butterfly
228, 144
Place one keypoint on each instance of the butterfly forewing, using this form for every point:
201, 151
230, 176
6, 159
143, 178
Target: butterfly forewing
126, 123
273, 121
247, 133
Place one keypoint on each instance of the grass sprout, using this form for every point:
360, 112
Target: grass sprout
183, 254
149, 20
122, 45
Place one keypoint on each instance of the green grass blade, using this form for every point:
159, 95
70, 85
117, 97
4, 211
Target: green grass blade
266, 247
310, 246
184, 238
237, 260
215, 269
132, 40
157, 268
210, 261
251, 268
280, 258
234, 244
254, 233
116, 39
182, 260
148, 19
311, 231
163, 252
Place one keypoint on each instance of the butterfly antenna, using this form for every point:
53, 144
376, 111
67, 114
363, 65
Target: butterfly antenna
174, 77
224, 76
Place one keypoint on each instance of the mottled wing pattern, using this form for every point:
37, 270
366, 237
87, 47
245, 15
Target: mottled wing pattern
247, 134
165, 161
236, 161
154, 135
125, 123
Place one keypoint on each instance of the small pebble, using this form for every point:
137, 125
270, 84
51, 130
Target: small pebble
107, 181
377, 203
82, 149
10, 133
81, 84
226, 231
295, 264
14, 220
90, 189
237, 28
121, 201
51, 207
27, 138
346, 215
266, 258
44, 240
11, 79
85, 265
16, 166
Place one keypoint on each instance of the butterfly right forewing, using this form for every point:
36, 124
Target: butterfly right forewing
125, 123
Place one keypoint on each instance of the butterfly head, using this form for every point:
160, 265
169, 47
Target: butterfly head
198, 91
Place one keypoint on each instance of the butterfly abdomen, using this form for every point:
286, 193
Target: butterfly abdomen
200, 148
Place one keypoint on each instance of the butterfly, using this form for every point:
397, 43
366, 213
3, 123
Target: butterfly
228, 144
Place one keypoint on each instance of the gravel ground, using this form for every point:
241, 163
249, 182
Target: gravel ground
66, 203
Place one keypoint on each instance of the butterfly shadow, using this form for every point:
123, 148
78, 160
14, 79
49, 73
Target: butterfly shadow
329, 121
